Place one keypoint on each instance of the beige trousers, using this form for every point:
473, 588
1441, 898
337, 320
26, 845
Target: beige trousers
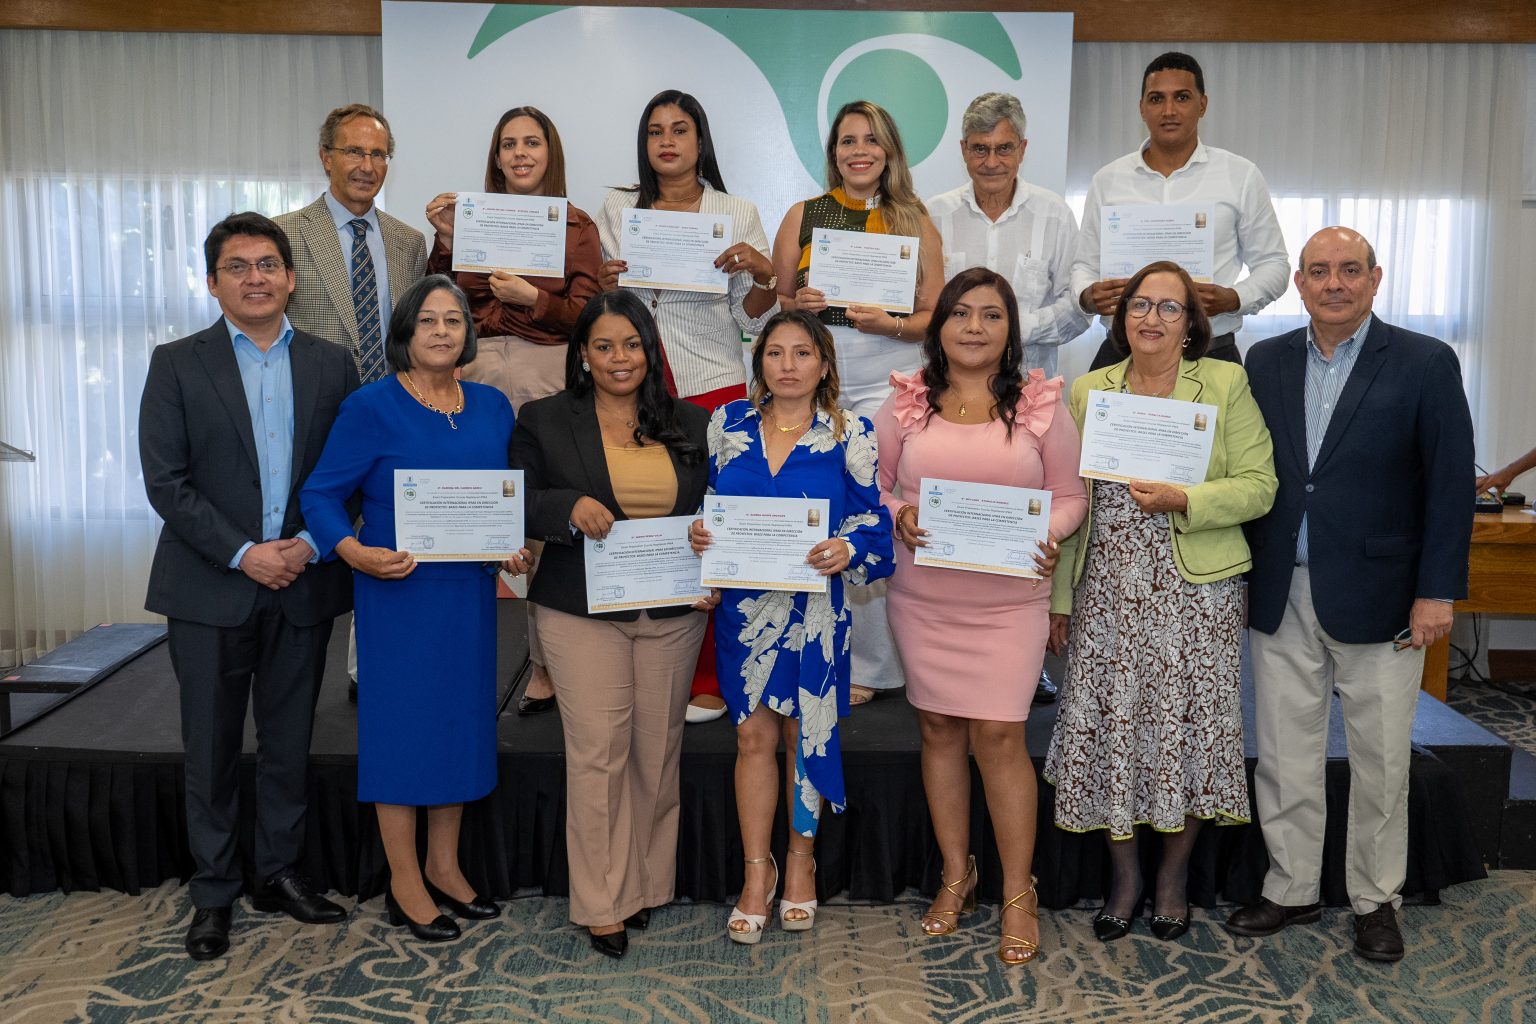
521, 370
1295, 672
622, 689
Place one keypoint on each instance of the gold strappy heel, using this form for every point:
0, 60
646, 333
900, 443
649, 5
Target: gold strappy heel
945, 922
1026, 950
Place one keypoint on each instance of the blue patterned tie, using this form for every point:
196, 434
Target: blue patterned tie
365, 300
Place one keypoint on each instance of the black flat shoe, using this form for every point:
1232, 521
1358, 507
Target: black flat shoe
614, 944
1170, 928
440, 929
527, 705
476, 909
640, 920
208, 936
1108, 929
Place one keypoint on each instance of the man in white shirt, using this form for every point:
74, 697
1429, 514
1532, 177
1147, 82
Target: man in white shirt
1174, 167
1021, 231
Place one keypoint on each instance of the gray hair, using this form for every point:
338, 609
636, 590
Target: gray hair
989, 110
1370, 250
340, 115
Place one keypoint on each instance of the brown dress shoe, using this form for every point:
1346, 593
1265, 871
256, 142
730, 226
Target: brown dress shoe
1377, 936
1266, 917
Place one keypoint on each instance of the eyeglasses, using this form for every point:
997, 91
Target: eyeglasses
357, 154
1403, 640
980, 150
1167, 311
240, 269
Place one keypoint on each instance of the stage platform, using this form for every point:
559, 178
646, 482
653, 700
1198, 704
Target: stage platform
91, 798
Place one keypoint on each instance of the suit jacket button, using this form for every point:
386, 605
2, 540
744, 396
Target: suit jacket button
1310, 488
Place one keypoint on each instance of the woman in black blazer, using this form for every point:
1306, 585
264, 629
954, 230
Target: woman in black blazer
613, 445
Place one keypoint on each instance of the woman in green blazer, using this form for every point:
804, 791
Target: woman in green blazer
1150, 609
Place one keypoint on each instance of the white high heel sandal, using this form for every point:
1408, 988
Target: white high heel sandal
752, 934
798, 924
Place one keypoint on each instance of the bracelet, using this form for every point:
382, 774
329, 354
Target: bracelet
901, 322
903, 511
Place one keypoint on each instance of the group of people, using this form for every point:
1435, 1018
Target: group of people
346, 352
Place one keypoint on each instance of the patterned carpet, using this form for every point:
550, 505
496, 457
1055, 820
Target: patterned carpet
104, 958
107, 958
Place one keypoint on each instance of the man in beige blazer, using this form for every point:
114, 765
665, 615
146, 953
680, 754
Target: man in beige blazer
342, 239
350, 259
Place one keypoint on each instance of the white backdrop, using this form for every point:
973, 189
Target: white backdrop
762, 77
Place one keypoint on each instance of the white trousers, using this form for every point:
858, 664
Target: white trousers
1295, 672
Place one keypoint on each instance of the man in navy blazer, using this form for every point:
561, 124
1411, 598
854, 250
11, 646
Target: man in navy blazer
1354, 571
232, 420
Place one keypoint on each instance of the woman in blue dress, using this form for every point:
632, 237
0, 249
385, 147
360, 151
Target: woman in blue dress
426, 633
783, 657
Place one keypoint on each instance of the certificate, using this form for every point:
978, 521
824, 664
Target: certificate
520, 234
864, 268
1132, 437
459, 515
675, 251
1130, 237
642, 563
982, 527
762, 543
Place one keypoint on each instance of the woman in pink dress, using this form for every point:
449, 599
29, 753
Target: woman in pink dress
973, 643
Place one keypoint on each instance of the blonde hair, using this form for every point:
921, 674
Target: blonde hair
825, 398
900, 208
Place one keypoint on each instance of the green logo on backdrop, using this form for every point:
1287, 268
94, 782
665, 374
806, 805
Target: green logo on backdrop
782, 42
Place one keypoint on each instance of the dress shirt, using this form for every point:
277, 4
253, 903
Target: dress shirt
1325, 383
374, 239
700, 331
1031, 244
267, 378
1246, 229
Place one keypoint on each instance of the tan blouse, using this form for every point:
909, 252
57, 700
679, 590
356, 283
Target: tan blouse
643, 480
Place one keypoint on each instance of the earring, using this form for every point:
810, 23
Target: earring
587, 367
1186, 343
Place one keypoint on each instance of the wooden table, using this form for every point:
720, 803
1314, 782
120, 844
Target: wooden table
1502, 579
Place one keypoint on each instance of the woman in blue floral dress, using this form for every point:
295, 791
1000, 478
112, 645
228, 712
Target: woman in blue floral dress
783, 657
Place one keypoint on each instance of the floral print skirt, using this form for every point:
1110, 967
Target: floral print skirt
1150, 724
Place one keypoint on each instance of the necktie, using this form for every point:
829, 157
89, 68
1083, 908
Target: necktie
365, 301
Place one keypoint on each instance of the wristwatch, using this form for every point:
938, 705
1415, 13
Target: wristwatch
772, 285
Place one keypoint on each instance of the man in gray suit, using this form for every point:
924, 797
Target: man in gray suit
232, 420
350, 258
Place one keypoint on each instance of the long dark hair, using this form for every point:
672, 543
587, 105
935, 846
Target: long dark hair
827, 389
1199, 337
1008, 383
708, 168
554, 166
655, 415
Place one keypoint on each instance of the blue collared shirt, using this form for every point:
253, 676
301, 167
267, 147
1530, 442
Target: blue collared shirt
1325, 383
375, 241
267, 378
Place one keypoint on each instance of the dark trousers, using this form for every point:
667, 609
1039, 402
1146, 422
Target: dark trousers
1223, 346
277, 667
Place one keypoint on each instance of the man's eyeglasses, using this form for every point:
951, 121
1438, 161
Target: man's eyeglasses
240, 269
980, 150
1167, 311
356, 154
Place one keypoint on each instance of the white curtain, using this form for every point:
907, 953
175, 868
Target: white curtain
1418, 147
118, 152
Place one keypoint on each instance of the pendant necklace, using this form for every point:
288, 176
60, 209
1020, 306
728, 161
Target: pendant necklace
423, 400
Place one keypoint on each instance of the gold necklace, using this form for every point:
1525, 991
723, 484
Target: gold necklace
628, 421
1136, 390
788, 430
962, 407
423, 400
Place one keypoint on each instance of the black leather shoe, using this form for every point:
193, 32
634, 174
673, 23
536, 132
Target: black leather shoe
289, 893
527, 705
1046, 691
1170, 928
614, 944
208, 936
1267, 918
1377, 936
1108, 929
439, 929
476, 909
640, 920
352, 691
